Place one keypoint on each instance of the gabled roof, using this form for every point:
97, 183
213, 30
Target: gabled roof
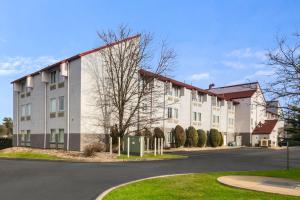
242, 84
181, 84
239, 95
265, 128
78, 56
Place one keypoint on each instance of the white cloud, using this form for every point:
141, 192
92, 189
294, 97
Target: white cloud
234, 65
19, 64
198, 77
247, 53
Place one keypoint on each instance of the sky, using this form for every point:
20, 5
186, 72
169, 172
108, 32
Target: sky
220, 42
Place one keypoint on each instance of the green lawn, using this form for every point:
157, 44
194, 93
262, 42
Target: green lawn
29, 155
150, 156
197, 187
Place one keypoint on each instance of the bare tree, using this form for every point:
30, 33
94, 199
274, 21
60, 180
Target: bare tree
126, 94
285, 60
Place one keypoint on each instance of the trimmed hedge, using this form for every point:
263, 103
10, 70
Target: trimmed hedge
5, 143
202, 137
179, 135
158, 133
214, 137
191, 137
221, 142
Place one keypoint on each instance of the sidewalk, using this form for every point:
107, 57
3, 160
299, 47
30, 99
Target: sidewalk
263, 184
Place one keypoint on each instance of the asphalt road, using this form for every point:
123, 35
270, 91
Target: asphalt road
43, 180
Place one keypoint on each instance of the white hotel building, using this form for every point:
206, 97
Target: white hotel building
52, 108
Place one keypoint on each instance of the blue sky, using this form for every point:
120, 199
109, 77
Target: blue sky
223, 42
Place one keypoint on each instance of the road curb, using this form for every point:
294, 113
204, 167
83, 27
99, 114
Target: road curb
103, 194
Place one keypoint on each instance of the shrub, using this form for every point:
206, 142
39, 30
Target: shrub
221, 142
158, 133
191, 137
91, 149
201, 138
180, 136
214, 137
5, 143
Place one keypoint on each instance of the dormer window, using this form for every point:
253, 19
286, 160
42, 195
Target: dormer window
53, 77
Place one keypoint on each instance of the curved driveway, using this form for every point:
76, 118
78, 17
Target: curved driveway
36, 180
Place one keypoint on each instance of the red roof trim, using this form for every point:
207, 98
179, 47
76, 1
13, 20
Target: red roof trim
239, 95
256, 82
265, 128
78, 56
181, 84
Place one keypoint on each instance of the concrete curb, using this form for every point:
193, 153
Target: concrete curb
103, 194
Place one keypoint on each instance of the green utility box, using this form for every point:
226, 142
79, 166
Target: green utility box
136, 145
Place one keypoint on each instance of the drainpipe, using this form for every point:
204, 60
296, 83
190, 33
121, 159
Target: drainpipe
17, 118
45, 116
68, 107
191, 96
164, 113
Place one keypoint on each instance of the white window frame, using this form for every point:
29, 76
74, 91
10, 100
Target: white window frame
199, 117
194, 116
53, 77
176, 113
28, 109
53, 105
52, 135
61, 105
169, 113
61, 135
23, 110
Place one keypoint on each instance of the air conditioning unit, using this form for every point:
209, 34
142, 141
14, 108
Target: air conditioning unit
45, 77
64, 69
29, 82
17, 87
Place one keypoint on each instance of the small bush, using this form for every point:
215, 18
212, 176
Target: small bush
221, 142
191, 137
91, 149
214, 137
180, 136
202, 137
158, 133
88, 151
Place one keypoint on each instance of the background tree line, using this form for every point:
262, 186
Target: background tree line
6, 127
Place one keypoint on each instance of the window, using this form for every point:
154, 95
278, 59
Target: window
230, 121
199, 117
23, 86
61, 103
177, 91
53, 77
200, 97
52, 135
53, 105
28, 109
169, 112
194, 98
216, 119
60, 77
23, 111
176, 113
22, 136
61, 134
214, 101
28, 136
194, 116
